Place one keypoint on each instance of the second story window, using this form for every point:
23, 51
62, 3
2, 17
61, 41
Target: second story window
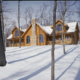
16, 33
59, 27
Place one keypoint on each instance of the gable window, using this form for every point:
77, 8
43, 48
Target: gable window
40, 38
16, 33
59, 27
28, 39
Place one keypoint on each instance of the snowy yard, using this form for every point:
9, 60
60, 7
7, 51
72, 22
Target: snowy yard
34, 63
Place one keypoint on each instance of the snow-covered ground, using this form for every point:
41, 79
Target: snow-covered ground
34, 63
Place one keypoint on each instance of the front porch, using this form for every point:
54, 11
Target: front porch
14, 42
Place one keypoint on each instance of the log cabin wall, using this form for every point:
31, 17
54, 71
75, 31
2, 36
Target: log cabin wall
38, 32
47, 39
28, 33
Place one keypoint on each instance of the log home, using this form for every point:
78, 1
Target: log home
37, 34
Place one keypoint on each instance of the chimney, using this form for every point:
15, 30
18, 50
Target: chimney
34, 36
33, 26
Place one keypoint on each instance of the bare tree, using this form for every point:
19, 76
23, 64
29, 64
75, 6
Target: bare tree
63, 8
2, 21
4, 9
2, 51
28, 14
53, 41
19, 23
78, 18
41, 15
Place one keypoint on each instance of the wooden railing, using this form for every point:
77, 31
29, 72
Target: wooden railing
17, 44
68, 41
49, 42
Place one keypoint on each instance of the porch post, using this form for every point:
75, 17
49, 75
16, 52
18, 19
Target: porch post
75, 38
72, 38
64, 38
13, 43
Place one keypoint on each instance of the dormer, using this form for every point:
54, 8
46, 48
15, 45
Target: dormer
15, 32
59, 25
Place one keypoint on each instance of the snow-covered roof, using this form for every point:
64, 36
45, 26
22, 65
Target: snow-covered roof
72, 26
23, 30
10, 36
47, 29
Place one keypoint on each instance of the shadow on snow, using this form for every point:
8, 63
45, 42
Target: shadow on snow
67, 68
47, 66
36, 72
31, 56
78, 75
67, 52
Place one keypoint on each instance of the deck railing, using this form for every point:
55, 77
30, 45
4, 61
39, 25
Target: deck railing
68, 41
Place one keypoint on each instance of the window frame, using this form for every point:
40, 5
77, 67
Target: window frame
28, 40
41, 38
59, 27
17, 33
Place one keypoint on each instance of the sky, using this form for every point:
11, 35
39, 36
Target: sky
35, 5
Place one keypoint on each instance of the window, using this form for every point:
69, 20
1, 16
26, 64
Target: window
10, 42
59, 27
40, 38
28, 40
48, 39
60, 39
68, 38
16, 33
15, 43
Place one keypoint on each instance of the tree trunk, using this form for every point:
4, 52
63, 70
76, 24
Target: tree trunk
53, 41
63, 36
2, 51
19, 23
2, 21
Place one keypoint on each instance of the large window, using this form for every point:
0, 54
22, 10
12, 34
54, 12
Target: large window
28, 39
59, 27
16, 33
40, 38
